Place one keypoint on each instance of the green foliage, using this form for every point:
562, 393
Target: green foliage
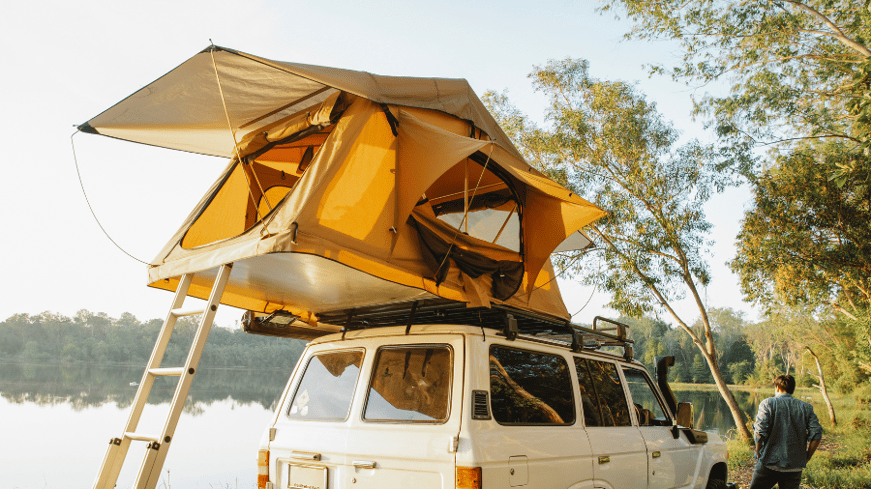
648, 335
843, 460
798, 75
792, 67
700, 371
97, 338
739, 371
609, 143
805, 240
654, 338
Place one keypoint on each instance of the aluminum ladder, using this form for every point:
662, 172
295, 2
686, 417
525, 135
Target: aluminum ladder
158, 444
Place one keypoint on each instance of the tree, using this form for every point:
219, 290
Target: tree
607, 142
647, 333
701, 374
739, 361
798, 74
806, 240
794, 67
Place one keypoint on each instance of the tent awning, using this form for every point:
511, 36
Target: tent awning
185, 108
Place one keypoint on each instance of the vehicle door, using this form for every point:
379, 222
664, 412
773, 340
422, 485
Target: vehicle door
671, 461
410, 407
619, 452
536, 440
310, 432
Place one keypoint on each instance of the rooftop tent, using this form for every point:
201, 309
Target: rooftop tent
346, 189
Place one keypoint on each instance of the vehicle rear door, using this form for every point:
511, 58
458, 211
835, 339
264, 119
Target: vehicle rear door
310, 433
408, 414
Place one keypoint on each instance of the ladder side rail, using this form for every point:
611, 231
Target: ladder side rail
149, 472
113, 461
157, 354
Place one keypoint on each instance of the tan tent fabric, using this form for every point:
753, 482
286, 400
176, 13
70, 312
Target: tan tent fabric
419, 166
339, 170
183, 110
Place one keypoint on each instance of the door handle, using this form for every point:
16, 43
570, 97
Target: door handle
604, 460
305, 455
362, 464
656, 454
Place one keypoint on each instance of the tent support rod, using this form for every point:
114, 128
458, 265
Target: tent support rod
466, 196
505, 223
448, 196
474, 192
466, 214
236, 144
262, 192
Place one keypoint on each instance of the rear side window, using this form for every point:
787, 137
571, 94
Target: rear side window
327, 386
529, 387
410, 384
602, 395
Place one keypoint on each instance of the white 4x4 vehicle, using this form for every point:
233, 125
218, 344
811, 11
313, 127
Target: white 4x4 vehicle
453, 397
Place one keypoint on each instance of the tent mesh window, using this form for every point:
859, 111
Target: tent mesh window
492, 215
252, 190
470, 217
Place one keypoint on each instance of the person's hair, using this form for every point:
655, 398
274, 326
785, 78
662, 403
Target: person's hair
785, 383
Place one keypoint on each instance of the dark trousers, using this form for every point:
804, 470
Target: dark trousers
765, 478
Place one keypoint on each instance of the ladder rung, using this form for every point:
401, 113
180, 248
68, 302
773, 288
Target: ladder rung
187, 312
139, 436
166, 372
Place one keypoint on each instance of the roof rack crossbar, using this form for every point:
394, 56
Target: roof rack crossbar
509, 321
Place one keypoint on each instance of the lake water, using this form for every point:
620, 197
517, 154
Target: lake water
56, 421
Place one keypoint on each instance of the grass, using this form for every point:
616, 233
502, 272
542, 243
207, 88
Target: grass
844, 458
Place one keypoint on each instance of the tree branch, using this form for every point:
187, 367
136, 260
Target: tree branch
843, 311
838, 34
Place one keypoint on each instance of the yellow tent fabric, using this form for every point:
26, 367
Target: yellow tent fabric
352, 189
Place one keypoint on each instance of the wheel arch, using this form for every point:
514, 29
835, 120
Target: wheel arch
719, 471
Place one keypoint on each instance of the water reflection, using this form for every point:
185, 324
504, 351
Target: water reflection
86, 386
711, 410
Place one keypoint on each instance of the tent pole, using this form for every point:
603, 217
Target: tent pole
466, 197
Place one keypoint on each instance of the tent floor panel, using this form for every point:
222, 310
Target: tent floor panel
311, 283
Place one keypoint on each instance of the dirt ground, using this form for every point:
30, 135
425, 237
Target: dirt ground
744, 472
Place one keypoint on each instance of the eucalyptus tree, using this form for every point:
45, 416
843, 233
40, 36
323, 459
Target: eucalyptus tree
608, 143
795, 69
797, 78
806, 240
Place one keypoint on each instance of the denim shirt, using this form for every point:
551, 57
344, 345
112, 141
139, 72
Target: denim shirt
784, 425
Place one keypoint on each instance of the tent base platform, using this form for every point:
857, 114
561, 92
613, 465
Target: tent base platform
311, 283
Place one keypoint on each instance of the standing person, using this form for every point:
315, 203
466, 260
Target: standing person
787, 433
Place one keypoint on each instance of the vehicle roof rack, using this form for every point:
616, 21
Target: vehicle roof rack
509, 320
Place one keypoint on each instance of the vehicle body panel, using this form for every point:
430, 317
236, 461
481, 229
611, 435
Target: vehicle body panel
360, 453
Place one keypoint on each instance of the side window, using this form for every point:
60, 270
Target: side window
647, 406
607, 402
529, 387
327, 387
410, 383
589, 400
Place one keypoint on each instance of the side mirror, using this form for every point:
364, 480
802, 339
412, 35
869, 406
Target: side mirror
684, 414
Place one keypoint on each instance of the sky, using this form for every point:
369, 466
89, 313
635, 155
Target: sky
65, 62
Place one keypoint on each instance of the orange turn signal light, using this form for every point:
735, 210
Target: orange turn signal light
262, 468
468, 477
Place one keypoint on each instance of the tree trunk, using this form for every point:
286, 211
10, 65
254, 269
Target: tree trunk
822, 386
737, 414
